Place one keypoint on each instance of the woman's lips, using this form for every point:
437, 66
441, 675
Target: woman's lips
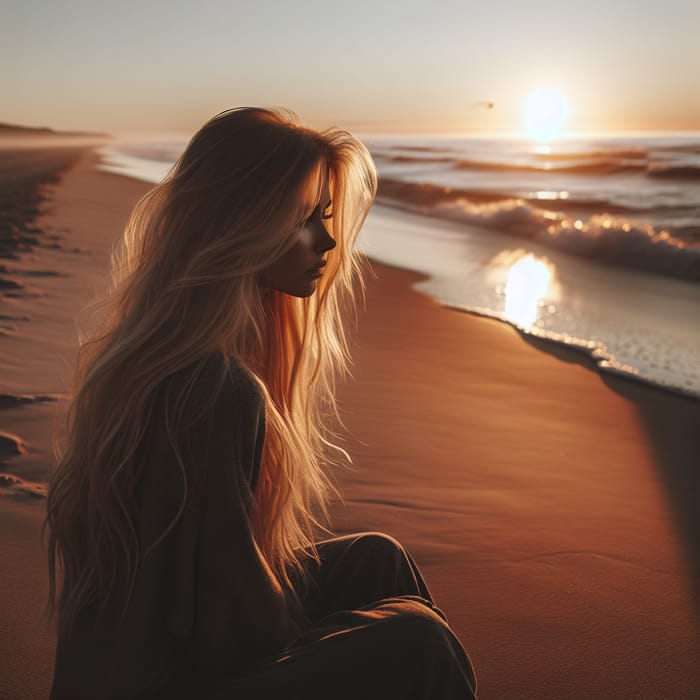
316, 270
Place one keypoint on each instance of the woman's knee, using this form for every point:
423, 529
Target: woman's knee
394, 569
403, 638
379, 544
410, 617
416, 629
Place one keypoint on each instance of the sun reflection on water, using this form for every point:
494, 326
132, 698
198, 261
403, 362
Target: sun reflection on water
527, 285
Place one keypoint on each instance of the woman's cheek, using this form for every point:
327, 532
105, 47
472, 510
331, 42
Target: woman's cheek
305, 237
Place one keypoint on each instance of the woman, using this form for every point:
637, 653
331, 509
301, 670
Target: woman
186, 506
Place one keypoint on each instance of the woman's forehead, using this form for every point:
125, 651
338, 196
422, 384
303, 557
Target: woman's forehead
317, 190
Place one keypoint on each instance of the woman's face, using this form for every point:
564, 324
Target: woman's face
298, 270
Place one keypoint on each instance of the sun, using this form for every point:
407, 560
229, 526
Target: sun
545, 113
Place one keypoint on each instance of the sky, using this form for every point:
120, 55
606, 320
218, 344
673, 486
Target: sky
168, 66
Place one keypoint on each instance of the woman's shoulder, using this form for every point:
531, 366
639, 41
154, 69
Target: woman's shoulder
230, 375
216, 383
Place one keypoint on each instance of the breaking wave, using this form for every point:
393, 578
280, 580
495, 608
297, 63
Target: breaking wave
608, 237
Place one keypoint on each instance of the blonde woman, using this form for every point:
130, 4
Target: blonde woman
187, 503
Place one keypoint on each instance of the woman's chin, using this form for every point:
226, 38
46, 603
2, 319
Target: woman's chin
311, 288
303, 290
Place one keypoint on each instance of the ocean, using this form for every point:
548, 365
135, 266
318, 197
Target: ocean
589, 242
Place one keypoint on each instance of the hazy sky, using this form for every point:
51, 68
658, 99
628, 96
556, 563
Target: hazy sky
169, 65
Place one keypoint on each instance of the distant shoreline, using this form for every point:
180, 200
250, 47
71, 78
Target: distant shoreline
20, 130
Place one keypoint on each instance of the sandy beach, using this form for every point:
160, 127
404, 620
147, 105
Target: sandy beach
552, 511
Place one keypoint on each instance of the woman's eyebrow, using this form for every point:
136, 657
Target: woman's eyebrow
318, 206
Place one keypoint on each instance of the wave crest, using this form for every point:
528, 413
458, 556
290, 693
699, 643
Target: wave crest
603, 237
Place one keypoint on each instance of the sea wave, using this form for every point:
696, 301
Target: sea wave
605, 237
426, 193
670, 170
609, 153
558, 164
602, 166
165, 152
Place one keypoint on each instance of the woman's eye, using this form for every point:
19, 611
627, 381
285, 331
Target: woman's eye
325, 215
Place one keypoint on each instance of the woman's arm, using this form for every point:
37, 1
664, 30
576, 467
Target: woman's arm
241, 615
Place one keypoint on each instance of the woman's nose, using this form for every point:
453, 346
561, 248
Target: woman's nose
324, 241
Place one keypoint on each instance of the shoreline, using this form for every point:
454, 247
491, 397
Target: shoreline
552, 345
551, 512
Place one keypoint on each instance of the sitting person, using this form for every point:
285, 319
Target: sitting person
186, 507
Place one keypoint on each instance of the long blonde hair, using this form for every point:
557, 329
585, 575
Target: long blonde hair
187, 279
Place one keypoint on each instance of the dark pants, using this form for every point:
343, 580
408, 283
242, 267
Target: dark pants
376, 633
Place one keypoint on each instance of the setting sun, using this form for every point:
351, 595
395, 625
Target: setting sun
545, 113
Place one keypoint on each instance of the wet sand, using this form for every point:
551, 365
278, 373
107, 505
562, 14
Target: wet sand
552, 512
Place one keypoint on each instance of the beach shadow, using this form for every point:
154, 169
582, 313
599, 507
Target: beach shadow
672, 423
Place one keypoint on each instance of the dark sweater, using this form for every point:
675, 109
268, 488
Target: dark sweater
204, 605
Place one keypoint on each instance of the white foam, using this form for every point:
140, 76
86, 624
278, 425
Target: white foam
115, 160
